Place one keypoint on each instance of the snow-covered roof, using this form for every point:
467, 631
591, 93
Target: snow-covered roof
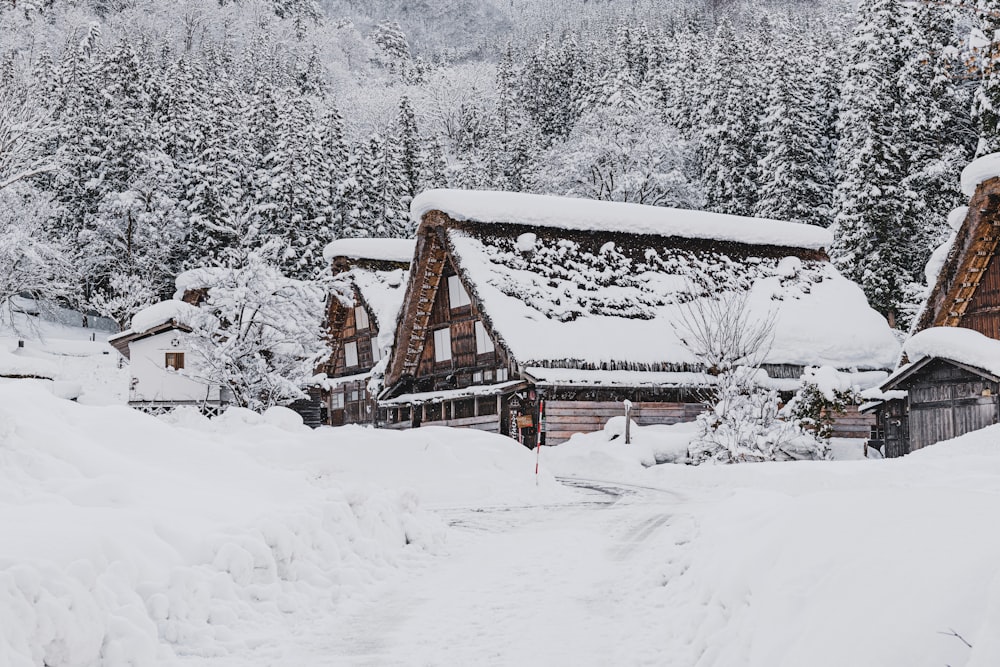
450, 394
586, 303
978, 171
13, 365
386, 250
382, 292
964, 346
590, 215
158, 314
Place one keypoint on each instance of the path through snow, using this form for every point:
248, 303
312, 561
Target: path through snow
530, 585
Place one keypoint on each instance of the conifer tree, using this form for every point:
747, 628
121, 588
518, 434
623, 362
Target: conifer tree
870, 225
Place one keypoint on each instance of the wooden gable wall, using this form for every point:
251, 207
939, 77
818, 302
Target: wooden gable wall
344, 330
967, 292
465, 360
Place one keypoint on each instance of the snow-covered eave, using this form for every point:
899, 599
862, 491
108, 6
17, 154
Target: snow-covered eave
398, 251
450, 394
567, 213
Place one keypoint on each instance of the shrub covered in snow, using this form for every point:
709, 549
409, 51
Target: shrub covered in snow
822, 397
743, 423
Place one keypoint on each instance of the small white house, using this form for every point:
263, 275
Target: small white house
164, 366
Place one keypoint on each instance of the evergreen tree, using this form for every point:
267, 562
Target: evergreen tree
870, 226
408, 142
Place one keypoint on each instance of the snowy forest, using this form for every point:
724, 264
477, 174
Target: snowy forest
139, 139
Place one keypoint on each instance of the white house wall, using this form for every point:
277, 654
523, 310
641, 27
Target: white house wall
153, 381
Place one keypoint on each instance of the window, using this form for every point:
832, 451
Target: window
457, 295
351, 354
376, 352
174, 360
442, 344
354, 395
477, 377
361, 318
337, 401
488, 376
502, 375
484, 344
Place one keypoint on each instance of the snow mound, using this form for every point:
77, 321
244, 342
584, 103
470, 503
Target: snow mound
387, 250
956, 344
978, 171
129, 540
591, 215
13, 364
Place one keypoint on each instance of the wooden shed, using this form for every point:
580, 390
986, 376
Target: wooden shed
514, 299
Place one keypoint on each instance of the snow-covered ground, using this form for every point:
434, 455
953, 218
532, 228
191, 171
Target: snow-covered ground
250, 541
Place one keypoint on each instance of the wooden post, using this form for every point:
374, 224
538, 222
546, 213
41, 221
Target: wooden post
628, 421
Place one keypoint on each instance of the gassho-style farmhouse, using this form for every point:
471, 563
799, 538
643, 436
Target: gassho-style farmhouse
538, 317
506, 300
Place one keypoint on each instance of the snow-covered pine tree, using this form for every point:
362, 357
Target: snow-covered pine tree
795, 180
730, 124
987, 97
408, 143
870, 226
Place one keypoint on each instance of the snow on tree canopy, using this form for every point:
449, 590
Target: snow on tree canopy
577, 302
591, 215
386, 250
955, 344
978, 171
160, 313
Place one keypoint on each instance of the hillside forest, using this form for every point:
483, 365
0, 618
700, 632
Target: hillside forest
139, 139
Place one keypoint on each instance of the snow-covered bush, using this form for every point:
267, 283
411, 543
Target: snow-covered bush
742, 423
820, 399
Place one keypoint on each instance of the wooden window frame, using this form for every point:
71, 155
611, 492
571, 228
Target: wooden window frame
349, 349
458, 296
171, 359
361, 320
440, 346
376, 352
484, 344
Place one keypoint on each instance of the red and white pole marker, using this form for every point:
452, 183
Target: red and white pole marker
538, 439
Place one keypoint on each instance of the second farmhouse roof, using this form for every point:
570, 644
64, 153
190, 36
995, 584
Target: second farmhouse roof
570, 283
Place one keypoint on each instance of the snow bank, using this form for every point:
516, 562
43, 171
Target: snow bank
387, 250
591, 215
978, 171
15, 365
128, 539
603, 454
956, 344
862, 563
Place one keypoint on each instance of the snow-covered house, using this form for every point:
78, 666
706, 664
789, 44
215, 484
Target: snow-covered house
370, 277
947, 385
516, 297
162, 364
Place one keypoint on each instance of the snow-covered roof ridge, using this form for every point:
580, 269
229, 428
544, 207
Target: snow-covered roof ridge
591, 215
160, 313
978, 171
378, 249
965, 346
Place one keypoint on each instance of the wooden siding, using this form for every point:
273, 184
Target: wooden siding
565, 418
946, 401
853, 424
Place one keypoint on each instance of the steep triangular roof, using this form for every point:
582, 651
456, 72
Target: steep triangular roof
561, 287
967, 273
